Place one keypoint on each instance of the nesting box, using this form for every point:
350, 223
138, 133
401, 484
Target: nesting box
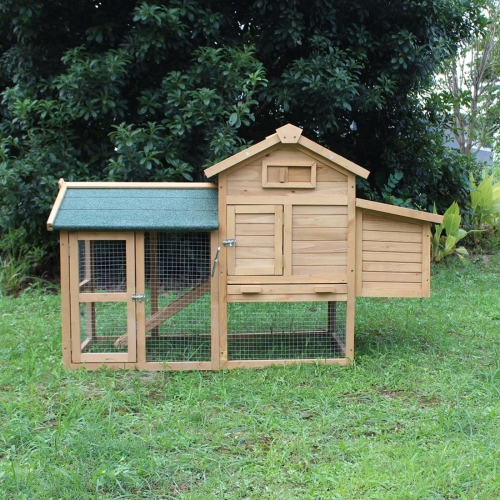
261, 268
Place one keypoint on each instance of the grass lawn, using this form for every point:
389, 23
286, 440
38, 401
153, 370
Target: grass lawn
416, 416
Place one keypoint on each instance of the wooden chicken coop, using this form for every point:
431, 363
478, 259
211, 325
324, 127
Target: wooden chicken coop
261, 268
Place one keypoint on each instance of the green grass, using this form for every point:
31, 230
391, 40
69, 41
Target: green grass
416, 416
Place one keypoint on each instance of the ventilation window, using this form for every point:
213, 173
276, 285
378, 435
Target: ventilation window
298, 175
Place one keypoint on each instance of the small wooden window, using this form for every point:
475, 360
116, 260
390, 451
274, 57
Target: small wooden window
297, 175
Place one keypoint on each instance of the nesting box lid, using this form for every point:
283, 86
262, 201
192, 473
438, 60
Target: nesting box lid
130, 206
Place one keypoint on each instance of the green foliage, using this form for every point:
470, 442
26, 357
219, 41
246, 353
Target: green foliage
18, 261
158, 91
448, 234
484, 203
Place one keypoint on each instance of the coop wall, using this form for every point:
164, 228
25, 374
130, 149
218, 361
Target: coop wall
393, 257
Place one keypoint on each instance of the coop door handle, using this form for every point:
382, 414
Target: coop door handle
215, 261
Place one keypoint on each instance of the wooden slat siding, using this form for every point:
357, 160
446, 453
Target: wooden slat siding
393, 236
392, 257
380, 224
392, 267
319, 240
325, 259
392, 263
254, 188
320, 247
65, 297
255, 241
329, 210
319, 234
387, 246
318, 270
392, 277
253, 229
327, 221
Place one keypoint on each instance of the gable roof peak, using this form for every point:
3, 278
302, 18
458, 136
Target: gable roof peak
289, 134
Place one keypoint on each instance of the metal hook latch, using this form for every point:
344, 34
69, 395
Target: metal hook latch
215, 261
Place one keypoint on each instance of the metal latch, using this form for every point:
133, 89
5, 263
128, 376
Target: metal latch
215, 261
138, 297
229, 243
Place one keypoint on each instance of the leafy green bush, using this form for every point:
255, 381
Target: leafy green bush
18, 261
448, 234
484, 203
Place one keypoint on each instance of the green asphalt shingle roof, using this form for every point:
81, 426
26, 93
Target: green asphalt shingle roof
130, 209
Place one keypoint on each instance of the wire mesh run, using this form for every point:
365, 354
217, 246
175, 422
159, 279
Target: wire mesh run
286, 330
178, 322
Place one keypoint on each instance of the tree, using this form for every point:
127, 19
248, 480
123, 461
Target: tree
160, 90
470, 85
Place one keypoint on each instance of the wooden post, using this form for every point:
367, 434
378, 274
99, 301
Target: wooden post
222, 272
140, 307
332, 316
90, 285
65, 298
214, 302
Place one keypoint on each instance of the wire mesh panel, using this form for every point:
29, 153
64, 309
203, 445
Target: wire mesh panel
178, 324
102, 266
101, 325
286, 330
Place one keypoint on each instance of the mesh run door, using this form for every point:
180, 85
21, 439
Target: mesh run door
102, 277
178, 299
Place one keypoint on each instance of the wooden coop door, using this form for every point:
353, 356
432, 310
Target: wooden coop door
258, 231
103, 287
